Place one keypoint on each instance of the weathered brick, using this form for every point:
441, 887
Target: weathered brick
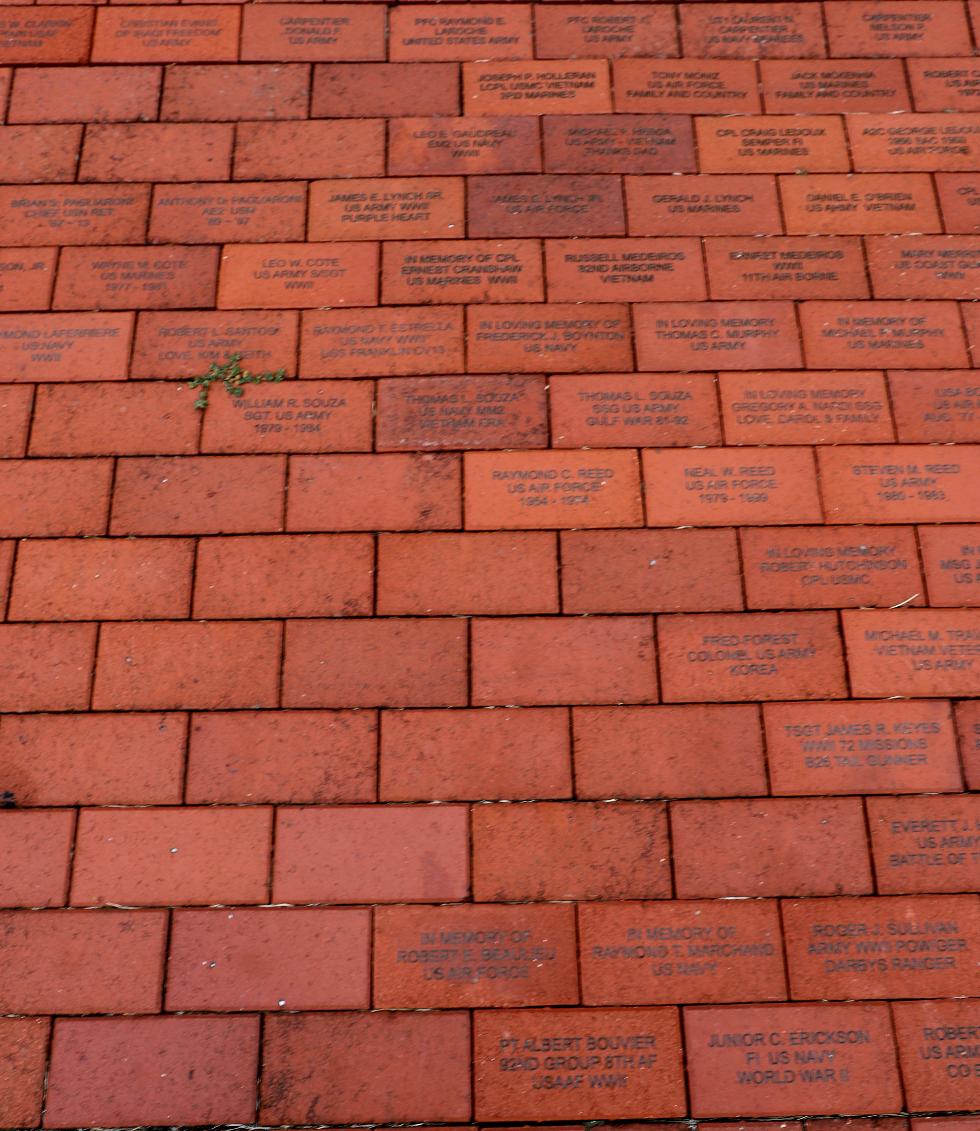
938, 1060
552, 205
420, 146
46, 667
271, 151
447, 32
289, 275
896, 27
386, 208
240, 213
85, 94
65, 347
156, 151
477, 271
703, 204
120, 278
73, 214
928, 844
59, 34
935, 405
37, 846
384, 90
751, 31
685, 86
23, 1058
175, 344
570, 31
29, 154
951, 559
297, 31
166, 34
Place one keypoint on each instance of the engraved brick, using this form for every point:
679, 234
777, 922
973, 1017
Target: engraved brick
382, 343
939, 1059
839, 86
906, 483
887, 747
281, 150
65, 347
478, 955
629, 270
831, 567
476, 271
474, 755
772, 144
909, 142
618, 143
703, 204
959, 198
944, 84
284, 275
896, 27
951, 559
175, 344
925, 652
37, 845
512, 1058
23, 1055
736, 335
924, 266
922, 335
239, 213
557, 490
156, 151
570, 31
553, 205
26, 278
770, 847
928, 844
614, 850
579, 86
463, 145
702, 751
638, 953
726, 1079
73, 214
299, 32
968, 725
166, 34
85, 94
622, 410
686, 86
56, 35
562, 338
235, 92
384, 90
120, 278
789, 267
392, 208
752, 31
421, 32
641, 571
724, 487
39, 153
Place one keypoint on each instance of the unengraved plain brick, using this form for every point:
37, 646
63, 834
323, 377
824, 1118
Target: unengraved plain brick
23, 1056
32, 154
280, 150
234, 93
36, 845
46, 667
85, 94
384, 90
35, 501
156, 151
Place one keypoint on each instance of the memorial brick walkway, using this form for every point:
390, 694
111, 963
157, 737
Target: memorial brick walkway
558, 699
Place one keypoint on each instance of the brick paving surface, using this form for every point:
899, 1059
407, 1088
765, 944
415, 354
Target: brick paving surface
557, 699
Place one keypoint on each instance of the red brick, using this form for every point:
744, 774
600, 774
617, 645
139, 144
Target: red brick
117, 1070
37, 848
703, 204
737, 335
554, 205
400, 491
641, 571
26, 278
959, 197
185, 856
235, 92
772, 144
198, 495
951, 558
83, 961
16, 402
570, 31
35, 503
837, 86
298, 274
73, 214
166, 34
559, 337
156, 151
537, 87
939, 1064
752, 31
521, 490
897, 27
312, 757
968, 724
618, 143
747, 656
185, 343
831, 567
382, 343
702, 751
23, 1056
789, 267
730, 1051
118, 278
939, 142
328, 575
474, 755
887, 747
685, 86
477, 271
489, 574
56, 35
387, 208
102, 579
325, 1067
29, 154
384, 90
923, 335
463, 145
906, 483
435, 413
938, 405
93, 759
518, 956
745, 936
924, 266
575, 850
728, 486
630, 270
380, 663
512, 1085
455, 31
85, 94
296, 31
280, 150
927, 844
924, 652
247, 212
623, 410
770, 846
269, 958
944, 84
972, 324
373, 854
811, 408
6, 569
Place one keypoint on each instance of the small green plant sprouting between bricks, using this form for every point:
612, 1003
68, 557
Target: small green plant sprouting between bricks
232, 376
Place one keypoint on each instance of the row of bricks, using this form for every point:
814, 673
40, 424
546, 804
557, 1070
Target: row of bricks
525, 661
324, 757
489, 574
270, 276
490, 955
542, 1064
431, 32
447, 413
616, 850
